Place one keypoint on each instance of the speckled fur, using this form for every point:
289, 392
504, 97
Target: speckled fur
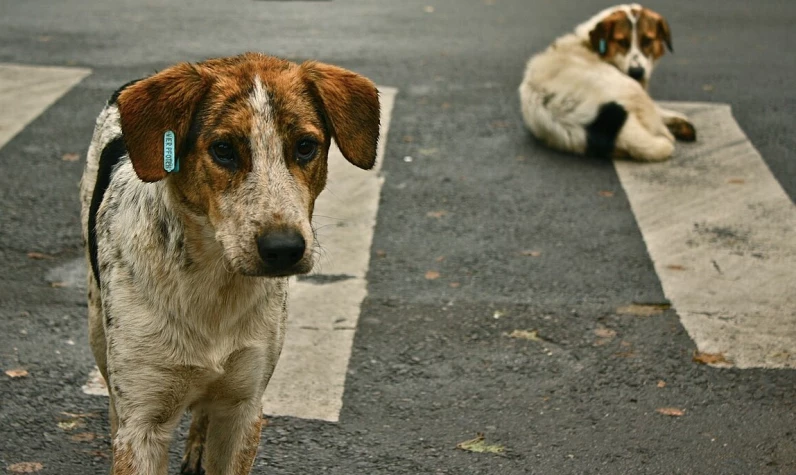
184, 316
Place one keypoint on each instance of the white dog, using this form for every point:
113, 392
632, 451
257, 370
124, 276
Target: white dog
587, 92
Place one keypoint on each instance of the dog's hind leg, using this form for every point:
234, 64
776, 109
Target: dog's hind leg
678, 124
639, 143
195, 446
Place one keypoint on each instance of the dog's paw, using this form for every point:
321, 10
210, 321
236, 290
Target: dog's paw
192, 465
682, 130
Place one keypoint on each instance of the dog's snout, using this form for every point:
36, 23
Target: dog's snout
636, 72
280, 250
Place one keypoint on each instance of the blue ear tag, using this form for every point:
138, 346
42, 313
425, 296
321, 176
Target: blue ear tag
170, 161
601, 48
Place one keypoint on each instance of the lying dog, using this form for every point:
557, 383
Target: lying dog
196, 199
587, 93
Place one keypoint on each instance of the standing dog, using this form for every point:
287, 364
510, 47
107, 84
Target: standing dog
196, 199
587, 93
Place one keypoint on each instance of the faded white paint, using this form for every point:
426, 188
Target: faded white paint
310, 376
26, 91
721, 232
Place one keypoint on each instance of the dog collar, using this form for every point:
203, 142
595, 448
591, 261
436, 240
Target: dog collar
170, 161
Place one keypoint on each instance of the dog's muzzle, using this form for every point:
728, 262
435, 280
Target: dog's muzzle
636, 73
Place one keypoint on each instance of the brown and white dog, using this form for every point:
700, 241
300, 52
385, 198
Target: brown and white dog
187, 290
587, 92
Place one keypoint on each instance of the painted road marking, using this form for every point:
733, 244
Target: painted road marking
324, 307
721, 232
26, 91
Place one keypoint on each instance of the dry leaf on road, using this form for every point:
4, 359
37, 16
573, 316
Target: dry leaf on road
25, 467
17, 373
603, 332
606, 193
643, 310
532, 335
39, 255
709, 358
675, 267
455, 285
436, 214
661, 383
70, 424
432, 274
478, 445
670, 411
70, 157
83, 437
530, 253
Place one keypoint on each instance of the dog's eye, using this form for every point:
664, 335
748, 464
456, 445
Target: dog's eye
624, 43
223, 153
305, 150
645, 41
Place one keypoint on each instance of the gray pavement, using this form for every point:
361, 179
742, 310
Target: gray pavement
431, 365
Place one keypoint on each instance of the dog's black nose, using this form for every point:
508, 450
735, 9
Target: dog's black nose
280, 249
636, 73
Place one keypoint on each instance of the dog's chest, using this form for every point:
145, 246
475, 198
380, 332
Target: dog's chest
165, 289
209, 328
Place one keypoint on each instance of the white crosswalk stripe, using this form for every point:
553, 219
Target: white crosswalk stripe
722, 234
26, 91
310, 376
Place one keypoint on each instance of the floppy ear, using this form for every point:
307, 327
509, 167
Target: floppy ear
351, 103
600, 34
665, 33
152, 106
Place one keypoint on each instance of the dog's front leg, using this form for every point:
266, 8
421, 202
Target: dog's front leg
234, 412
148, 402
233, 437
678, 124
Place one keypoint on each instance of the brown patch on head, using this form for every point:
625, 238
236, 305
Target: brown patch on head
653, 34
148, 108
613, 35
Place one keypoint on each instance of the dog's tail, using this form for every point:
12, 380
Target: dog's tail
602, 132
561, 130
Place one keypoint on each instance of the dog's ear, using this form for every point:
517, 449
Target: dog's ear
665, 32
151, 107
351, 105
601, 34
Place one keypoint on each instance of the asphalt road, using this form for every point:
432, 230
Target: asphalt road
431, 364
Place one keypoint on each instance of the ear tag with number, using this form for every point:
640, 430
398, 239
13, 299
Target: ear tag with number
602, 47
170, 161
